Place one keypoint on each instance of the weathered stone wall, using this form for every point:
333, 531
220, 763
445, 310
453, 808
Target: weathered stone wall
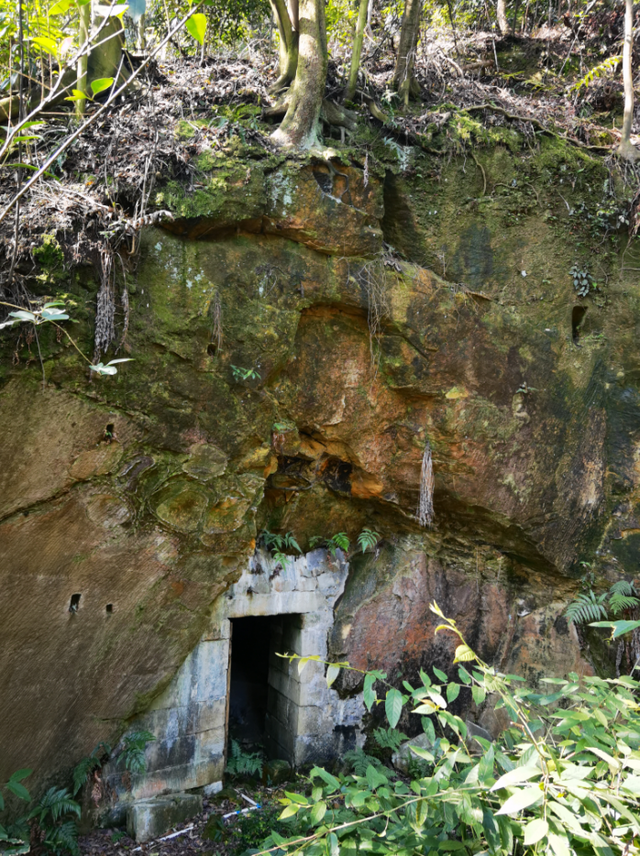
147, 491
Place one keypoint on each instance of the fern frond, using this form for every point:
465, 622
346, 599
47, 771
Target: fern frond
358, 761
339, 541
63, 839
620, 602
368, 539
81, 771
290, 542
389, 738
596, 71
586, 607
55, 802
623, 587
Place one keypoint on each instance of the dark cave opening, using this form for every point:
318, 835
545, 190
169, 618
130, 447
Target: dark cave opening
577, 317
249, 682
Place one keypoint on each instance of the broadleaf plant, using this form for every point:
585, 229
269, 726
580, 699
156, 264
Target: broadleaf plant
563, 778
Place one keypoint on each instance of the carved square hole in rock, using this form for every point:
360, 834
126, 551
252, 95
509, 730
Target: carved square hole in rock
75, 602
109, 609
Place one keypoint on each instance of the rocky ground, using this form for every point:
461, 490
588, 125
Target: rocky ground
207, 833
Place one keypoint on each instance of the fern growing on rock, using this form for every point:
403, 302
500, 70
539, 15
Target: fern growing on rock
622, 596
587, 607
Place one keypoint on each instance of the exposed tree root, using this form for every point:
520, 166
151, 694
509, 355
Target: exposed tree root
331, 113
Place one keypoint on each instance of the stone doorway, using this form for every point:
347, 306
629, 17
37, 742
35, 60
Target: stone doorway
304, 721
251, 649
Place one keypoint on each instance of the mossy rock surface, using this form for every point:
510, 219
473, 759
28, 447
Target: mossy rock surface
288, 370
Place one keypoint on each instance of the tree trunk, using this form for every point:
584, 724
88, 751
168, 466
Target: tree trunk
350, 91
288, 32
403, 75
105, 59
625, 149
83, 35
141, 42
501, 11
300, 127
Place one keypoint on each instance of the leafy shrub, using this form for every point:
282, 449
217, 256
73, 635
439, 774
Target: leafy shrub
563, 779
254, 826
47, 823
583, 282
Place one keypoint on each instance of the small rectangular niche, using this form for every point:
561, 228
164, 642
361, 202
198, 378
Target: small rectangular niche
74, 603
109, 609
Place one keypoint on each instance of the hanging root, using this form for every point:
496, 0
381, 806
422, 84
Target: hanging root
106, 304
216, 323
425, 507
371, 277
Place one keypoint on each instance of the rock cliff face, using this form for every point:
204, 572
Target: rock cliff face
295, 351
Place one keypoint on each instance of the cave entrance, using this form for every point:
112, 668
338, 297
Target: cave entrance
260, 710
248, 682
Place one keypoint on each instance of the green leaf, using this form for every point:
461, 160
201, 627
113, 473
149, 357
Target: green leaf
54, 315
19, 775
478, 694
330, 780
18, 790
422, 753
297, 798
332, 841
77, 95
332, 673
61, 7
393, 706
463, 654
559, 845
46, 44
375, 778
453, 691
100, 84
318, 812
516, 776
619, 627
197, 27
465, 677
289, 811
535, 830
101, 369
368, 693
612, 762
521, 800
23, 315
440, 675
